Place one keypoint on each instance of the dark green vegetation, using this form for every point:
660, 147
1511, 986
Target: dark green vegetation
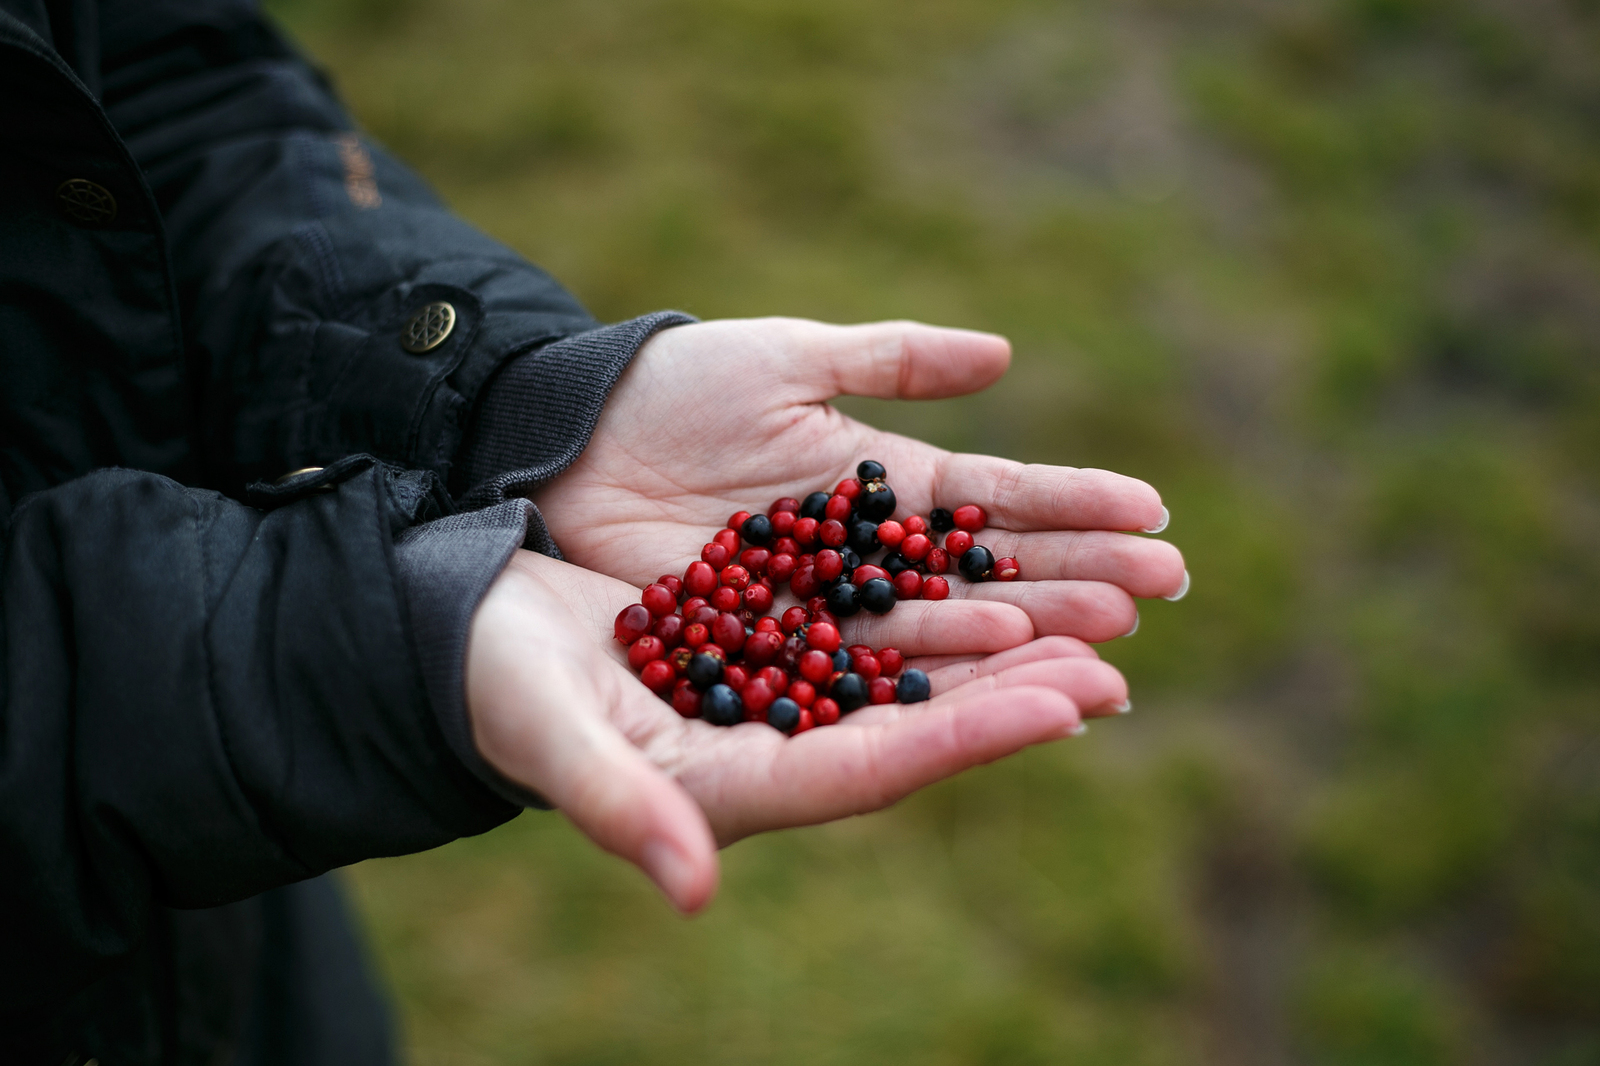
1328, 274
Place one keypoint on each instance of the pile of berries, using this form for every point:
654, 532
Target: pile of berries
706, 642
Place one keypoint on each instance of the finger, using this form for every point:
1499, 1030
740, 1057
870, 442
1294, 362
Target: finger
948, 627
1095, 687
1089, 610
945, 672
1140, 565
1036, 497
896, 360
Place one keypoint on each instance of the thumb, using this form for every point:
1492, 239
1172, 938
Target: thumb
898, 360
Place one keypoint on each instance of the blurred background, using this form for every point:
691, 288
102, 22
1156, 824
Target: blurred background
1327, 273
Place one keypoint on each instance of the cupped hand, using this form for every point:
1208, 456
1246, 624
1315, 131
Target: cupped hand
554, 708
724, 416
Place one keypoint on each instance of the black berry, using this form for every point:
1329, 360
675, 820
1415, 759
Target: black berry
757, 529
941, 521
704, 671
871, 470
815, 506
784, 714
851, 560
913, 687
722, 706
849, 692
863, 536
844, 600
877, 595
841, 661
896, 564
876, 503
977, 563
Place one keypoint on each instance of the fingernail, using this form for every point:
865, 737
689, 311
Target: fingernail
1078, 730
1183, 590
1135, 628
1125, 707
1166, 516
669, 868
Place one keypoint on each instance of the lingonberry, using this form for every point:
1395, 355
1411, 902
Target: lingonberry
977, 564
674, 585
735, 577
877, 502
787, 505
849, 691
829, 565
758, 599
725, 599
794, 646
721, 706
805, 724
704, 671
908, 585
728, 632
783, 523
916, 547
824, 615
892, 661
849, 488
784, 715
633, 622
866, 572
777, 680
737, 520
815, 604
841, 661
891, 533
831, 533
866, 665
747, 618
715, 652
691, 605
935, 588
805, 532
938, 561
838, 508
805, 582
1006, 569
823, 637
761, 647
735, 676
755, 560
862, 536
757, 529
814, 506
757, 696
844, 600
769, 625
859, 649
825, 711
785, 546
699, 579
685, 699
793, 619
658, 600
880, 690
679, 658
915, 524
877, 595
913, 687
728, 538
669, 628
645, 649
781, 568
871, 470
815, 666
715, 555
958, 542
802, 692
970, 517
704, 613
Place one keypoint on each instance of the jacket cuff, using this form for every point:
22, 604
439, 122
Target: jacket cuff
445, 568
537, 416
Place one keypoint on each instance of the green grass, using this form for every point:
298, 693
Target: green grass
1327, 272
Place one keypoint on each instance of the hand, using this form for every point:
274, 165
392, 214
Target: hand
725, 416
554, 708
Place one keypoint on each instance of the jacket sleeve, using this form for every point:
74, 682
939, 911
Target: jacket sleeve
201, 700
301, 251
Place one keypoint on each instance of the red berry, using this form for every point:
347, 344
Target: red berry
916, 524
645, 649
1006, 569
736, 676
679, 658
725, 599
829, 565
728, 632
728, 538
816, 605
658, 600
938, 561
849, 488
783, 523
805, 582
785, 546
757, 696
825, 617
780, 568
802, 692
866, 665
916, 547
831, 533
935, 588
685, 700
755, 560
866, 572
805, 532
788, 504
670, 629
758, 599
970, 517
957, 542
892, 661
806, 722
633, 621
775, 678
705, 614
695, 634
691, 605
658, 676
858, 649
908, 586
825, 711
794, 646
674, 585
891, 533
737, 520
735, 577
793, 619
823, 637
699, 579
838, 508
761, 647
815, 666
768, 625
880, 690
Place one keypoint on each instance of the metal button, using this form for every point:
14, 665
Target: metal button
296, 473
86, 203
428, 328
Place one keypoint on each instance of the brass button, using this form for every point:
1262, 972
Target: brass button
86, 203
296, 473
428, 328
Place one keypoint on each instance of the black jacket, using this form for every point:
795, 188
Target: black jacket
209, 691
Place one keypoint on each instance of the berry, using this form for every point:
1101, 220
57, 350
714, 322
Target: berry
685, 699
761, 648
802, 692
844, 600
777, 680
805, 532
793, 619
787, 505
825, 711
737, 520
670, 629
896, 564
757, 529
703, 613
806, 722
940, 520
728, 632
725, 599
977, 564
849, 488
877, 502
831, 533
935, 588
908, 586
814, 506
794, 646
823, 637
781, 568
695, 634
704, 671
877, 595
881, 690
916, 547
758, 599
716, 555
916, 524
722, 706
871, 470
728, 538
891, 533
970, 517
829, 565
674, 585
892, 661
815, 666
826, 616
784, 715
851, 560
866, 572
1006, 569
913, 687
866, 665
862, 536
783, 523
691, 605
805, 582
755, 560
938, 561
838, 508
785, 546
769, 625
849, 691
757, 697
735, 677
633, 621
815, 604
841, 661
658, 676
859, 649
658, 600
958, 542
699, 579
